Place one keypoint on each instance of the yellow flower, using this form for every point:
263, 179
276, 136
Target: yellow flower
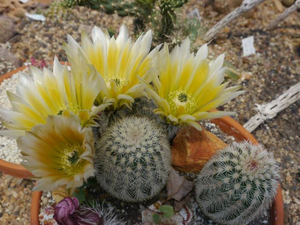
186, 86
58, 153
45, 93
119, 62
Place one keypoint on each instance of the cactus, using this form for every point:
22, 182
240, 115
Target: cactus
145, 107
167, 12
142, 107
237, 184
159, 14
133, 159
107, 213
121, 7
56, 12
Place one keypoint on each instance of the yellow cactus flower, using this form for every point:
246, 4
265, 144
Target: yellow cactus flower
45, 93
119, 61
58, 153
187, 86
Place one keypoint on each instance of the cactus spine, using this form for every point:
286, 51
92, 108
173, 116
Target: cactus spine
141, 107
121, 7
167, 12
159, 14
237, 184
56, 11
133, 159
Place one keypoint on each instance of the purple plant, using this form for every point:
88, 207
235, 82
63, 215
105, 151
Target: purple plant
69, 212
41, 64
64, 210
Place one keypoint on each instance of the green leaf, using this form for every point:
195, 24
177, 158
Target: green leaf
167, 210
92, 181
229, 64
79, 194
232, 74
156, 218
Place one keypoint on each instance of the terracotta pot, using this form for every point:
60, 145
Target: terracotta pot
13, 169
227, 125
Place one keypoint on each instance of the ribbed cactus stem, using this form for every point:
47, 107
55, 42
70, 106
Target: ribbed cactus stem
121, 7
142, 107
237, 184
133, 159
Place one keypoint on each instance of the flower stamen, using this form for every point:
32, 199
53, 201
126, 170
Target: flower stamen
180, 99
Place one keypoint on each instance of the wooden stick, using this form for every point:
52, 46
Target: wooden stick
245, 7
284, 15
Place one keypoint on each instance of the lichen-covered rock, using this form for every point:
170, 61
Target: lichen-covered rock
288, 3
226, 6
7, 29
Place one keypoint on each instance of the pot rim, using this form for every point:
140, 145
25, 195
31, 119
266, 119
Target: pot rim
226, 124
13, 169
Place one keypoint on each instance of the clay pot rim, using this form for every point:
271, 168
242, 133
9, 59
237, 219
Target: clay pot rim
240, 133
15, 170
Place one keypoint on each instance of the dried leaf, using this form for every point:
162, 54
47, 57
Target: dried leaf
60, 194
178, 187
178, 205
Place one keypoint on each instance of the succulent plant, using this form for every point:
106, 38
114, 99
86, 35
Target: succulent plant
120, 7
159, 14
167, 12
142, 107
133, 159
56, 11
237, 184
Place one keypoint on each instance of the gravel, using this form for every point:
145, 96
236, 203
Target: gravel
9, 149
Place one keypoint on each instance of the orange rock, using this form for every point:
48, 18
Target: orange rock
191, 149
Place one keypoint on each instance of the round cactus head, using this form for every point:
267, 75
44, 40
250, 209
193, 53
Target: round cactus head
237, 184
133, 159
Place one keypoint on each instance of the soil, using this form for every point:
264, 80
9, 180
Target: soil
272, 70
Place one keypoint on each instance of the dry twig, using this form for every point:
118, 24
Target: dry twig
245, 7
284, 15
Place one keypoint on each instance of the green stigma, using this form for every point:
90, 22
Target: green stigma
70, 161
182, 97
73, 157
117, 81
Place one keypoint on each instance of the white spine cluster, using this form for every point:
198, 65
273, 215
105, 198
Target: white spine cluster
107, 213
133, 159
237, 184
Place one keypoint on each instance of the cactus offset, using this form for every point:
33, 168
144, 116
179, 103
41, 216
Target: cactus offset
237, 184
133, 159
